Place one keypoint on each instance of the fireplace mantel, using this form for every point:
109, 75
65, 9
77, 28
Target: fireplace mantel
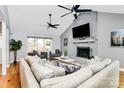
83, 41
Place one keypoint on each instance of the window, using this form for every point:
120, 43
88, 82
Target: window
39, 44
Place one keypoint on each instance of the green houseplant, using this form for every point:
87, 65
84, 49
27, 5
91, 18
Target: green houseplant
65, 52
15, 46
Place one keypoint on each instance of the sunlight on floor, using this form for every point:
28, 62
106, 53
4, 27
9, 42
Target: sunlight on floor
0, 70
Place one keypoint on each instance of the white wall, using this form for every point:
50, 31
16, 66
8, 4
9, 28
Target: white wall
82, 19
0, 43
5, 37
106, 23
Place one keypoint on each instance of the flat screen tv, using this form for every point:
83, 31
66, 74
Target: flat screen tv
81, 31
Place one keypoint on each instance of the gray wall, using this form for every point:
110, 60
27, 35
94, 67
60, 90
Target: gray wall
21, 35
106, 24
26, 21
82, 19
102, 24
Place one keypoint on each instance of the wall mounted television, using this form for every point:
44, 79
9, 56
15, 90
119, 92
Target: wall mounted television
81, 31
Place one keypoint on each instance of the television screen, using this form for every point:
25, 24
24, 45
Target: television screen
81, 31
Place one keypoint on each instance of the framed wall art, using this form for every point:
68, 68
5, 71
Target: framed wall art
117, 38
65, 41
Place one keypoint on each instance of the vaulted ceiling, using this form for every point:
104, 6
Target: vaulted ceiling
32, 18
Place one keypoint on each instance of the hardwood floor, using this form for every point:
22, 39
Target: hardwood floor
0, 69
12, 80
121, 81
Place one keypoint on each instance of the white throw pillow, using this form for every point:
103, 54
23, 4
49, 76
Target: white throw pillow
42, 61
59, 71
36, 59
97, 58
39, 60
93, 61
107, 61
41, 72
97, 67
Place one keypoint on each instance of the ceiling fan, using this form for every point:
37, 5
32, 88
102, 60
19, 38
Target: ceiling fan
74, 10
49, 24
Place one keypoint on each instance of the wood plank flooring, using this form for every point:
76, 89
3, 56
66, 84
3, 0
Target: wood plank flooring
12, 80
121, 81
0, 69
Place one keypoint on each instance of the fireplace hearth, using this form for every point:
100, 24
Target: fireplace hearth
84, 52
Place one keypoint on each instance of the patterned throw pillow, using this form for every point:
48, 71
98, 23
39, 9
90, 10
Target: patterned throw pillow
68, 67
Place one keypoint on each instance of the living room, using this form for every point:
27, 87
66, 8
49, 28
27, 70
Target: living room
32, 28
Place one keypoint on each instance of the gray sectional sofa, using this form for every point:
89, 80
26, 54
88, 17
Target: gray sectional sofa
101, 75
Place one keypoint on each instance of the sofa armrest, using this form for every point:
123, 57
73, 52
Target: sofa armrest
106, 78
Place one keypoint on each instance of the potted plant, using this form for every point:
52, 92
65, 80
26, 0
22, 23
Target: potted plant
15, 46
65, 53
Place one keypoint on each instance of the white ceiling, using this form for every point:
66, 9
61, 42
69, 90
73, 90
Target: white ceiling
34, 17
106, 8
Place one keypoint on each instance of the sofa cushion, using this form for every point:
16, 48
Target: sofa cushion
98, 58
27, 59
57, 70
68, 81
107, 61
26, 76
30, 79
41, 72
35, 59
97, 67
24, 64
31, 60
93, 61
106, 78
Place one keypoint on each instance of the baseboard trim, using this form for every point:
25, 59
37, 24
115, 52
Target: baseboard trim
13, 62
8, 65
122, 69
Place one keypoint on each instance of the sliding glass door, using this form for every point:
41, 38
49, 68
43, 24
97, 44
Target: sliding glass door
39, 44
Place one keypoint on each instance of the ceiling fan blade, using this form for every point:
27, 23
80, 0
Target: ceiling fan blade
84, 10
48, 27
43, 25
75, 15
56, 25
66, 14
48, 23
76, 7
64, 7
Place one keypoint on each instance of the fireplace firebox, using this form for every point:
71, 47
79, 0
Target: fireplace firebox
84, 52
